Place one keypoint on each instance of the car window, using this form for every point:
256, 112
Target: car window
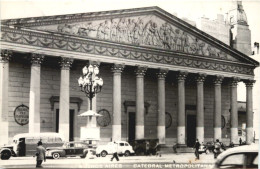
121, 144
233, 160
255, 162
58, 140
80, 145
71, 145
126, 144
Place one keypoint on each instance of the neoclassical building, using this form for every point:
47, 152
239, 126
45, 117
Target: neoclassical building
163, 78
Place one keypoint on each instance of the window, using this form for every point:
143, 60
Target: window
255, 162
233, 160
71, 145
126, 144
121, 144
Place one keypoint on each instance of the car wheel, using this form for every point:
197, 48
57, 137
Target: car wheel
127, 153
55, 155
103, 154
5, 155
84, 155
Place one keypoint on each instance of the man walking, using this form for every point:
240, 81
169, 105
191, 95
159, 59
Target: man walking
40, 153
197, 146
115, 155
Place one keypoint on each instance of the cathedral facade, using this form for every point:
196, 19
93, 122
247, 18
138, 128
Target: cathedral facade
163, 78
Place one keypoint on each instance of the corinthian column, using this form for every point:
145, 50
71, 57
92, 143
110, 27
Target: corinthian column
35, 88
161, 106
234, 116
4, 83
139, 118
65, 97
200, 107
217, 107
249, 111
181, 132
116, 126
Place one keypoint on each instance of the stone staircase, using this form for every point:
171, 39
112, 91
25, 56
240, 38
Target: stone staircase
166, 149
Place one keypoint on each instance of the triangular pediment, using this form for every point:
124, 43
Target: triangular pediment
145, 27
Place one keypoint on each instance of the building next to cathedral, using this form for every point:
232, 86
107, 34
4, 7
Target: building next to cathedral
163, 78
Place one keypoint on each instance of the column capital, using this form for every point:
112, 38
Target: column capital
36, 59
249, 83
200, 78
234, 81
66, 63
162, 73
141, 70
182, 75
5, 55
117, 68
218, 79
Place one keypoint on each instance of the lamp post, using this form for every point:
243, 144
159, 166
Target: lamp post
90, 83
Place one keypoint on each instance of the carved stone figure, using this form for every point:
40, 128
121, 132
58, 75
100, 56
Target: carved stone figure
113, 30
122, 30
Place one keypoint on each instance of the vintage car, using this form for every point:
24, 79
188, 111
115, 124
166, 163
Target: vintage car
239, 157
145, 146
25, 144
124, 148
69, 149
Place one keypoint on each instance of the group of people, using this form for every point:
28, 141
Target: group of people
218, 147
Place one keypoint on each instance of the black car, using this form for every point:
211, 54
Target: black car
69, 149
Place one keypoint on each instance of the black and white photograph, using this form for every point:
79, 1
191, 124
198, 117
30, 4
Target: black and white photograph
129, 84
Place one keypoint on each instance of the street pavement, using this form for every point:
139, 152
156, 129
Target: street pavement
165, 161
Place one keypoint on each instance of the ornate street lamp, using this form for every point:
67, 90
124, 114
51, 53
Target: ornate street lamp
90, 83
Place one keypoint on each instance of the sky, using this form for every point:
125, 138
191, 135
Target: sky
191, 9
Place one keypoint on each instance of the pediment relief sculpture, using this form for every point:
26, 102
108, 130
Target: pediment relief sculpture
147, 30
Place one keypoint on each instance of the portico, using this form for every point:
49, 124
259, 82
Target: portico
146, 67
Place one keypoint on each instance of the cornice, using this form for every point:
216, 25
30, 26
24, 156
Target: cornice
125, 51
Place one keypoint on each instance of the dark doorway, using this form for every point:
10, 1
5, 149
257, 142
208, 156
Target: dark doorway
71, 125
57, 120
191, 130
131, 126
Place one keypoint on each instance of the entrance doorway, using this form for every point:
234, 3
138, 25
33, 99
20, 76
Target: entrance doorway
131, 126
191, 130
71, 123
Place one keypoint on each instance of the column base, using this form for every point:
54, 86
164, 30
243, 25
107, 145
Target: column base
161, 134
4, 133
217, 133
234, 135
64, 130
249, 135
139, 132
181, 135
116, 132
200, 134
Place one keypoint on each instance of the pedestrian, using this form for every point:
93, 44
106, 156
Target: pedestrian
217, 147
40, 154
240, 141
197, 146
158, 149
114, 149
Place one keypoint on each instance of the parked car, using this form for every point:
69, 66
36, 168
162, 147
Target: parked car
69, 149
239, 157
124, 148
25, 144
145, 146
